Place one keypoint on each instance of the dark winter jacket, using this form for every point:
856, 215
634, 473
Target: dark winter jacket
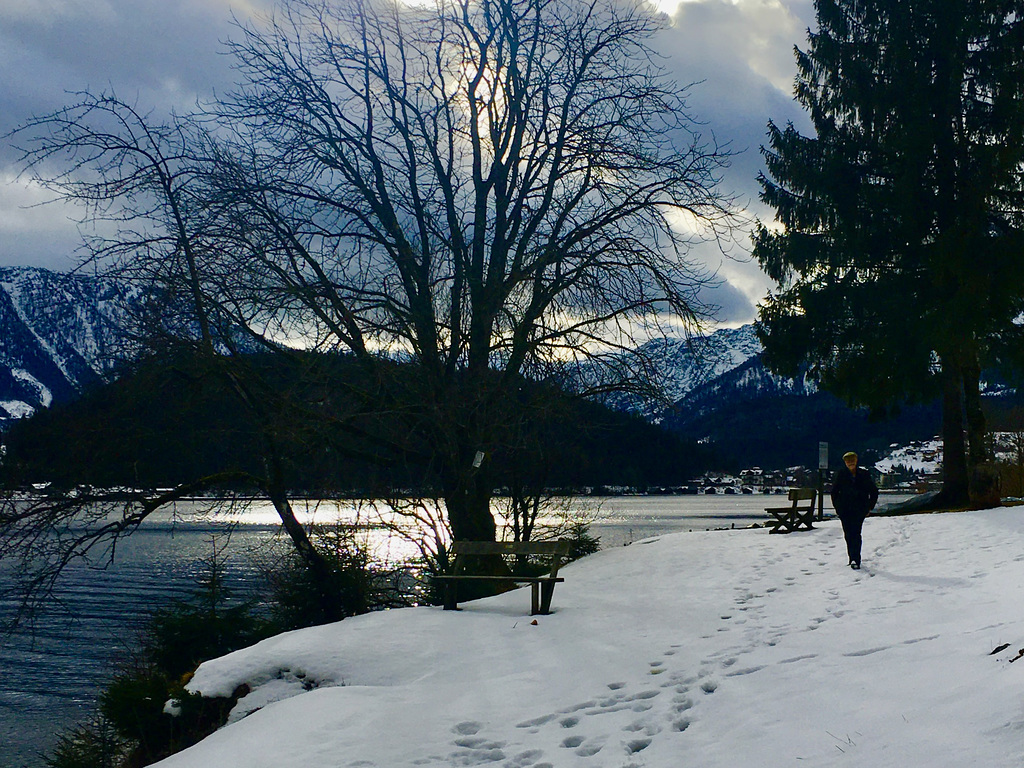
853, 494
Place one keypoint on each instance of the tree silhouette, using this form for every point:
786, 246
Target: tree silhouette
900, 233
483, 190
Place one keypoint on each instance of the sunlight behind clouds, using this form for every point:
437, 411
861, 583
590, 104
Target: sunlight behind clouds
689, 224
671, 6
738, 54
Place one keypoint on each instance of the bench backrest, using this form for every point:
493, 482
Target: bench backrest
802, 494
556, 552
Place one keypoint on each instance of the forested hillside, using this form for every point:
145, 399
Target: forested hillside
62, 334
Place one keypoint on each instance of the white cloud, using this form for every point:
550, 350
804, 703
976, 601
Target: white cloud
49, 12
32, 230
738, 58
22, 205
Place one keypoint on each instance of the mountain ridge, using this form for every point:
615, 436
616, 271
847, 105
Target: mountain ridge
61, 333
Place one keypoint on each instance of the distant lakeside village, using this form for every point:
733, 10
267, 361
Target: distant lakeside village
913, 468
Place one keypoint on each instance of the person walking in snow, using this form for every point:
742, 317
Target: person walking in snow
854, 494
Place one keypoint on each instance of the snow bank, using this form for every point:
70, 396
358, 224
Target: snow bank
732, 648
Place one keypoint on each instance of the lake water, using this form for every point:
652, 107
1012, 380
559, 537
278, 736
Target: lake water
49, 682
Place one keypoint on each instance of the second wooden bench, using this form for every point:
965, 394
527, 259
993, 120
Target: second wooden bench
797, 515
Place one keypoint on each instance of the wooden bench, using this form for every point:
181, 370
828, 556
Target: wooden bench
798, 515
547, 555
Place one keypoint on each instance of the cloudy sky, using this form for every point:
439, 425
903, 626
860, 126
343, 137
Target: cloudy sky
168, 52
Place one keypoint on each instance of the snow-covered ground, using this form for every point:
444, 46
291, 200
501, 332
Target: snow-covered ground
732, 648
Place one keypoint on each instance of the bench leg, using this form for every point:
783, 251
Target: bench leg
450, 596
547, 590
535, 599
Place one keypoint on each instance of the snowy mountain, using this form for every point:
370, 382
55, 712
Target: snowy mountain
747, 382
756, 418
687, 365
58, 334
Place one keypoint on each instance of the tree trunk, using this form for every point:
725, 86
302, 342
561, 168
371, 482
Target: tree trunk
954, 491
1018, 448
470, 518
985, 485
977, 446
467, 478
327, 599
469, 508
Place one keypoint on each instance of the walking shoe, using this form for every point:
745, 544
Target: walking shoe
855, 566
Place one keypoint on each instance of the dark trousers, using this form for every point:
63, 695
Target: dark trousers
852, 525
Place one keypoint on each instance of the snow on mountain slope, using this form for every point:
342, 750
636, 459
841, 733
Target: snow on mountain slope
689, 364
58, 333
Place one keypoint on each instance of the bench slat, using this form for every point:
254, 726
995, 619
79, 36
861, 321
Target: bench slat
560, 547
524, 579
799, 494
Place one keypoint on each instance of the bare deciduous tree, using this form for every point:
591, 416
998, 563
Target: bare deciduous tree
487, 190
489, 187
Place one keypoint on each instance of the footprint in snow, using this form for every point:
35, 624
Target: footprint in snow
526, 759
744, 671
589, 749
648, 729
868, 651
799, 658
637, 745
535, 722
476, 743
681, 703
643, 695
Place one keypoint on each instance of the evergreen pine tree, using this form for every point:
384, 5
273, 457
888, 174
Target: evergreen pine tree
899, 241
